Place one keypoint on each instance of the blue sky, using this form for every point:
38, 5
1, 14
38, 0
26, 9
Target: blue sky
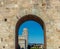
35, 31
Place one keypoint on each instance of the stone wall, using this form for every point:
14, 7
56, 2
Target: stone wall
12, 10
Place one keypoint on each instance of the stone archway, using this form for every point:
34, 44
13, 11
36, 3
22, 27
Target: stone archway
26, 18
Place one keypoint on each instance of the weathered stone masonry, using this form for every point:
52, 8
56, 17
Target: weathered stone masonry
12, 10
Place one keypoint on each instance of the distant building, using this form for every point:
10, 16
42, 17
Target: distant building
23, 40
37, 46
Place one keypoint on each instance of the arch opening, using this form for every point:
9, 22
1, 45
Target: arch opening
27, 18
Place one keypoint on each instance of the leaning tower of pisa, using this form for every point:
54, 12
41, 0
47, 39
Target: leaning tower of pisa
23, 39
25, 34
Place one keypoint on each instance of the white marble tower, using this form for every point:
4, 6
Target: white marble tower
23, 40
25, 34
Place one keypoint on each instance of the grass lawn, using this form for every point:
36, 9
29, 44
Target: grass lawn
36, 48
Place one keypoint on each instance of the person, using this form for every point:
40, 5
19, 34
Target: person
19, 46
22, 48
29, 46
